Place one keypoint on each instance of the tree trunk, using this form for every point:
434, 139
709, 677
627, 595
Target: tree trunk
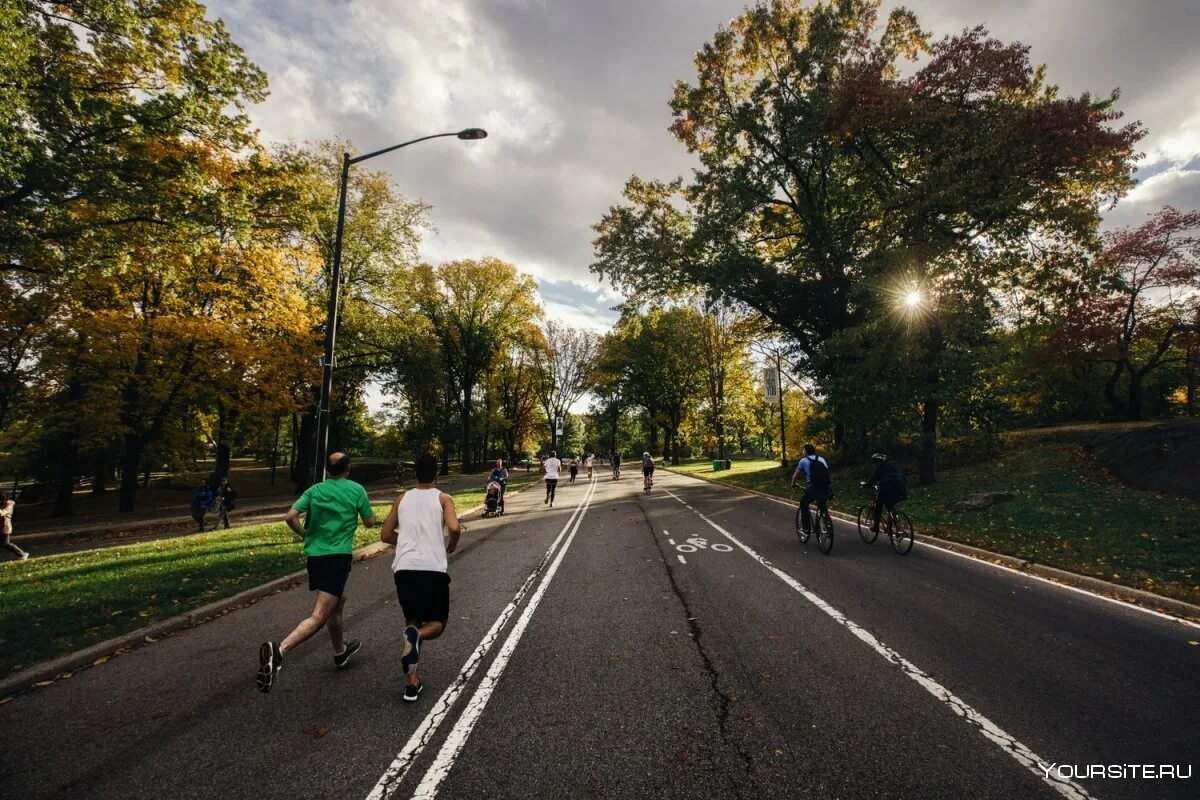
130, 459
930, 407
467, 466
226, 420
306, 445
100, 477
67, 467
1110, 390
928, 458
1136, 395
839, 436
275, 449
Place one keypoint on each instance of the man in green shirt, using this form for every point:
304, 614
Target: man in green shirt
333, 508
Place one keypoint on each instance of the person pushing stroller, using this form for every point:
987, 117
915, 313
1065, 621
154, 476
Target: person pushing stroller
497, 483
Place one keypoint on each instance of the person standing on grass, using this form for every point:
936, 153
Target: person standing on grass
333, 508
551, 466
6, 512
202, 498
226, 498
415, 526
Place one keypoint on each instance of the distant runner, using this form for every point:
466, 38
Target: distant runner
551, 466
590, 462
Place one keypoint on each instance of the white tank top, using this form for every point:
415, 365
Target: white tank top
419, 540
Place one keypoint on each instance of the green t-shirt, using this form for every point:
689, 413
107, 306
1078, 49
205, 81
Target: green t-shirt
333, 508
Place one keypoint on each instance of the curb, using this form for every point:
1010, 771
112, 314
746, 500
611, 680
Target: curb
64, 666
1113, 591
114, 529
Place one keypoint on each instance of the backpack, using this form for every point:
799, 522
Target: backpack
818, 473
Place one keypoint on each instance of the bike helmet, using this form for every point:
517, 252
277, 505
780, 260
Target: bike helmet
879, 457
645, 455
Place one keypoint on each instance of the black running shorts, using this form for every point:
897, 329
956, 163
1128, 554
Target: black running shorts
329, 573
424, 596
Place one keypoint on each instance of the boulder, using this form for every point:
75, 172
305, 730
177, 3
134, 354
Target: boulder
978, 502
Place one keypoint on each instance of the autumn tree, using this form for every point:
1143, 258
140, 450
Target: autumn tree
1145, 304
378, 317
475, 306
827, 168
564, 371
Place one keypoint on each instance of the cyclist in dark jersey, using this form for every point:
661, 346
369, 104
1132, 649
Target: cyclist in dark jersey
890, 484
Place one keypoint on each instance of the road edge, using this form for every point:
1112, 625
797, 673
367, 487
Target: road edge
1113, 591
67, 665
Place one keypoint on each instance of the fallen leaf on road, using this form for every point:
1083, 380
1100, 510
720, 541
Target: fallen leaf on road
40, 684
747, 717
315, 732
681, 755
100, 660
5, 699
778, 751
1193, 643
150, 639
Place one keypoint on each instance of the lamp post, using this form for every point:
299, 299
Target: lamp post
335, 283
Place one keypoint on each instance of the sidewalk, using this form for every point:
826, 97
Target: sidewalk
175, 521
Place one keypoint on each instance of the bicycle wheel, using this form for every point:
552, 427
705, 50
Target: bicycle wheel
824, 531
800, 532
901, 533
864, 525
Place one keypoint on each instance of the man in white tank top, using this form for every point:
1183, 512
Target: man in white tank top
414, 526
551, 466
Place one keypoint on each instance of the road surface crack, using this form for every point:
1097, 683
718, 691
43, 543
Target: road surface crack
723, 700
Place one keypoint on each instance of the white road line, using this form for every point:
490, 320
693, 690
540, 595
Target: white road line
926, 543
671, 542
1022, 754
424, 733
682, 560
457, 737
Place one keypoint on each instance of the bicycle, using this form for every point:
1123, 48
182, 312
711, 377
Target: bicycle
616, 471
824, 524
649, 480
897, 524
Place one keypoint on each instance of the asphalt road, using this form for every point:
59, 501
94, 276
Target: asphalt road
676, 644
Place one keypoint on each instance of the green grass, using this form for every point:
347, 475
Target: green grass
1066, 512
59, 604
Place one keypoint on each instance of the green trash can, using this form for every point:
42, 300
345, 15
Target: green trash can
718, 465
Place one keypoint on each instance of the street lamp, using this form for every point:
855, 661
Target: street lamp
335, 282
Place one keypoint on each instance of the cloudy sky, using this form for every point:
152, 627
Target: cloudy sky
574, 94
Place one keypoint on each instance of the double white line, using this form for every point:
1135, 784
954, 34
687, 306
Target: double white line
457, 737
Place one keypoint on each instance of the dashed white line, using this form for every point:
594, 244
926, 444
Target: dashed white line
1022, 754
924, 542
457, 737
399, 767
682, 560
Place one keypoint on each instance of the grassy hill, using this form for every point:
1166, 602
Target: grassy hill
1067, 508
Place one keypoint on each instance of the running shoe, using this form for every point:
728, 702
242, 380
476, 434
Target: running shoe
343, 659
412, 649
270, 661
412, 692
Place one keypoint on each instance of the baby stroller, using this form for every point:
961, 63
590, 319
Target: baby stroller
493, 503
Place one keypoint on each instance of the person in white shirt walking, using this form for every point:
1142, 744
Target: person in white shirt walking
551, 466
590, 462
415, 526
